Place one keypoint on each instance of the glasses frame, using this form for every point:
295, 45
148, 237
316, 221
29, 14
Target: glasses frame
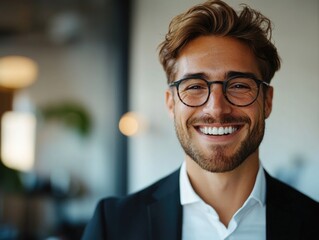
224, 87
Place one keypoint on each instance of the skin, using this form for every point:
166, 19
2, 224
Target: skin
221, 169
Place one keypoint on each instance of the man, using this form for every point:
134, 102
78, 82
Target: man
219, 65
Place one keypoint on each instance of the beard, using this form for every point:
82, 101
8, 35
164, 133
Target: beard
217, 160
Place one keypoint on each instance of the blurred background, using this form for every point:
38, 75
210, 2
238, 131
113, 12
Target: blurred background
83, 114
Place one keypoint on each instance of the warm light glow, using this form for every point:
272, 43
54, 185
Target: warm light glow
17, 71
18, 140
129, 124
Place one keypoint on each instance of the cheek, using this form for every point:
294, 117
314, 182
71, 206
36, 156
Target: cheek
256, 113
182, 114
253, 112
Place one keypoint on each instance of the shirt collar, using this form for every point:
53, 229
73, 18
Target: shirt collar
259, 190
187, 192
188, 195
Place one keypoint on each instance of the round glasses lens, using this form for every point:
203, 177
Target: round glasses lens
241, 91
193, 92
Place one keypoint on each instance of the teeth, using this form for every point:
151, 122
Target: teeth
218, 131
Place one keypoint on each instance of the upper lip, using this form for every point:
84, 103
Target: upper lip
198, 125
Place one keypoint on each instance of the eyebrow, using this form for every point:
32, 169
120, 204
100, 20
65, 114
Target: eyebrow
241, 74
229, 74
195, 75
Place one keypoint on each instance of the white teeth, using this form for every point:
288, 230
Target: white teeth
218, 131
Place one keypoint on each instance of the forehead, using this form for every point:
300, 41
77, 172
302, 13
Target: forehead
215, 57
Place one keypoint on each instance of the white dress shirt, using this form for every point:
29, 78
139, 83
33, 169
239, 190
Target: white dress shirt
201, 221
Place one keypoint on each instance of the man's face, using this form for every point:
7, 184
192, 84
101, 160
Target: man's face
215, 57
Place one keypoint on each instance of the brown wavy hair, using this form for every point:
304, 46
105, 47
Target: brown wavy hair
216, 18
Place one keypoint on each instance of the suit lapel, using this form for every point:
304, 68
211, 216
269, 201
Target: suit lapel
281, 222
165, 213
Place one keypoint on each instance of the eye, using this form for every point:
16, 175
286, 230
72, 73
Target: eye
193, 85
241, 85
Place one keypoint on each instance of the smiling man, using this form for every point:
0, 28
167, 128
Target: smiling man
219, 65
219, 124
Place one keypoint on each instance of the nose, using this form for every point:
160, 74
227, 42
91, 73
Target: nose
217, 104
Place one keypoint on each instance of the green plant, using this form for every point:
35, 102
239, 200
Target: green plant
71, 114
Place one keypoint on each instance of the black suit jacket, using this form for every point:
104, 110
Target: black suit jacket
155, 213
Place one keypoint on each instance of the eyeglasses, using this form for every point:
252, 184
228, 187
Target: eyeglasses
239, 90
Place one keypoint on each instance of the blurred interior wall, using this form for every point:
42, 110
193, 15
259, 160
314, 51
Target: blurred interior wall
81, 48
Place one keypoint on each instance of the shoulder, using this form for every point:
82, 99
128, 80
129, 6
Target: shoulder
290, 214
146, 195
131, 211
279, 192
133, 207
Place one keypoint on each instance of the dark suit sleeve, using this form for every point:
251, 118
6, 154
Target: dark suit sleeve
96, 228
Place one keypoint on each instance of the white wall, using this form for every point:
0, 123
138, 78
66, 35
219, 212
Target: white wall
291, 131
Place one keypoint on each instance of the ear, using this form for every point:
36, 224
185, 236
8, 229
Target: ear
169, 99
268, 101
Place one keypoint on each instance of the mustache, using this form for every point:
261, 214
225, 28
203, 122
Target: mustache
220, 120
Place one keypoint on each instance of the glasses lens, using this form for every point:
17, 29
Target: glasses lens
193, 92
241, 91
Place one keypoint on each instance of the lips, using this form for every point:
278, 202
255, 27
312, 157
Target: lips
218, 131
223, 126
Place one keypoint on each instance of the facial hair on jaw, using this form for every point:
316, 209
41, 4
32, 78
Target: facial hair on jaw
218, 161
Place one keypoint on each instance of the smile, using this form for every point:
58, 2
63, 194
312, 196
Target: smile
218, 131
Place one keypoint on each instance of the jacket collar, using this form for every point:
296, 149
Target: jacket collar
281, 222
165, 212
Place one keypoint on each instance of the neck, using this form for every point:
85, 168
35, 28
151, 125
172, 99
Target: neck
225, 192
